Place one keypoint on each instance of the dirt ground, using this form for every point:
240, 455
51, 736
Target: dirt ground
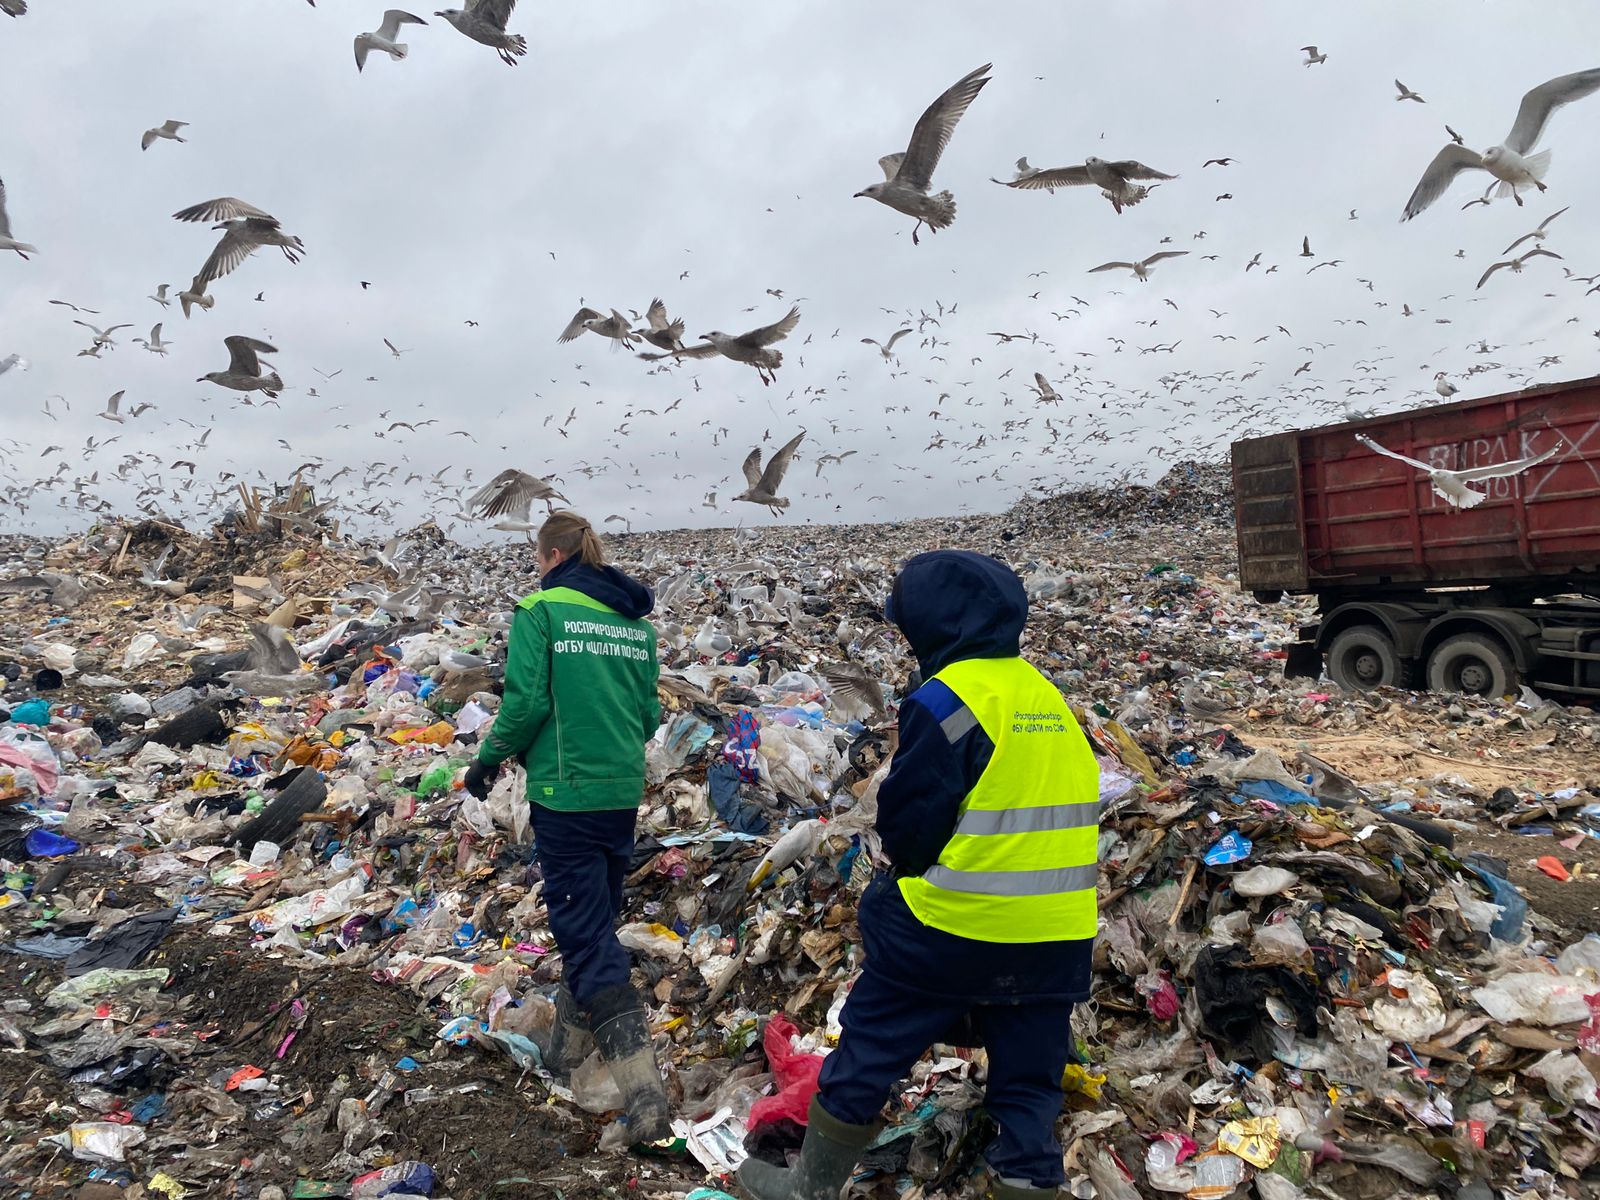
494, 1141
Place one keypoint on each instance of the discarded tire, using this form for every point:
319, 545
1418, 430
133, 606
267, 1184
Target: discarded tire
302, 791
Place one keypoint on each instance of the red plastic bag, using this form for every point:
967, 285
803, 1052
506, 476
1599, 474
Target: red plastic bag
796, 1075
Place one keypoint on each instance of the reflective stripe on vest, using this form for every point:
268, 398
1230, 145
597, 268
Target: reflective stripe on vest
1021, 864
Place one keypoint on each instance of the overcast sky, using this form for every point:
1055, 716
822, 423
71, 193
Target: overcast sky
706, 153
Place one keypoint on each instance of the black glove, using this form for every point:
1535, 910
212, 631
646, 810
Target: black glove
479, 778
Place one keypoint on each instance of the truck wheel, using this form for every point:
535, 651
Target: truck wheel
1474, 663
1364, 657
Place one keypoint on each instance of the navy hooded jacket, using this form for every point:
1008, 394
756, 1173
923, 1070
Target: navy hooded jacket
952, 605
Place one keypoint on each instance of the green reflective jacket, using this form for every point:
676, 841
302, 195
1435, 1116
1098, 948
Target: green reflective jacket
580, 702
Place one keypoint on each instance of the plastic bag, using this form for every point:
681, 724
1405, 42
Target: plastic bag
1535, 999
655, 940
98, 1141
23, 748
796, 1076
141, 650
1415, 1014
1565, 1078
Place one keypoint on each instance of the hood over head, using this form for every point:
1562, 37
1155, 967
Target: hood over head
954, 605
606, 584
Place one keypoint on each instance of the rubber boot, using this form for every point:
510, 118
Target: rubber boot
827, 1159
569, 1042
622, 1035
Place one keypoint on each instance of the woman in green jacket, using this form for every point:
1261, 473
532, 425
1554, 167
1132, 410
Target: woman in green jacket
580, 702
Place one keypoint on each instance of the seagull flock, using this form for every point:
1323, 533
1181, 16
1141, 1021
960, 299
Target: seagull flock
1056, 426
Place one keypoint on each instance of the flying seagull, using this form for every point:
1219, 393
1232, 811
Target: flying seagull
1023, 170
667, 335
17, 361
1047, 394
1112, 178
246, 228
1510, 163
887, 348
244, 368
764, 484
1538, 234
102, 337
510, 495
1312, 57
383, 38
588, 320
168, 130
1406, 93
154, 344
485, 21
1516, 264
752, 348
1140, 269
160, 296
13, 8
111, 413
1452, 485
909, 174
824, 459
7, 242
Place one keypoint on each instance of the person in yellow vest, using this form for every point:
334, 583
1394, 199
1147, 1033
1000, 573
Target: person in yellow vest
984, 935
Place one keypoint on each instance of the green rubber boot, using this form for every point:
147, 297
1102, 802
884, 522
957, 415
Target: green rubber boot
827, 1158
622, 1034
569, 1041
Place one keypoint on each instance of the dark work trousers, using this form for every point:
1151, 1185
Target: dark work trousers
584, 857
887, 1028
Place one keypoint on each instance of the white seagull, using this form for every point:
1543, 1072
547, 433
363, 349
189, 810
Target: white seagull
168, 130
1452, 485
160, 296
886, 348
1406, 93
102, 337
1510, 162
7, 242
154, 344
383, 38
246, 229
909, 174
1443, 386
753, 348
1140, 269
1312, 57
1538, 234
1516, 264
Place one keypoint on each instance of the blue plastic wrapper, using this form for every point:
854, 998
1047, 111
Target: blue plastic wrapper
1513, 906
42, 843
1231, 847
1271, 790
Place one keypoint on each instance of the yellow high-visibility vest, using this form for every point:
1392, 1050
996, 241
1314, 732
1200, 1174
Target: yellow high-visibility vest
1022, 863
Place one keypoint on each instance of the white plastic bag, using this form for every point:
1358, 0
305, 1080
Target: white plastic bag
1535, 999
141, 650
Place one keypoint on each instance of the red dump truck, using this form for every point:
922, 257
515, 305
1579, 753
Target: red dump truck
1412, 589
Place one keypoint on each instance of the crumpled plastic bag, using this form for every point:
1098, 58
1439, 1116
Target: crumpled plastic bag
62, 657
1565, 1078
1413, 1016
1535, 999
141, 650
30, 752
796, 1074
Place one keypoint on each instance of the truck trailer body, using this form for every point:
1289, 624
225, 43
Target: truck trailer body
1412, 589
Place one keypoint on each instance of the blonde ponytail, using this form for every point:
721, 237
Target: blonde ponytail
571, 534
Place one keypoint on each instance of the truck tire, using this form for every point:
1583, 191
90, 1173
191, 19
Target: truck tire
1364, 657
1474, 663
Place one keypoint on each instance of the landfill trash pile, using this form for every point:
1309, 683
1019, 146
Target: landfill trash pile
257, 941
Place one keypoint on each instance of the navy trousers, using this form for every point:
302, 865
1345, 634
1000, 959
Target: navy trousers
584, 858
887, 1028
